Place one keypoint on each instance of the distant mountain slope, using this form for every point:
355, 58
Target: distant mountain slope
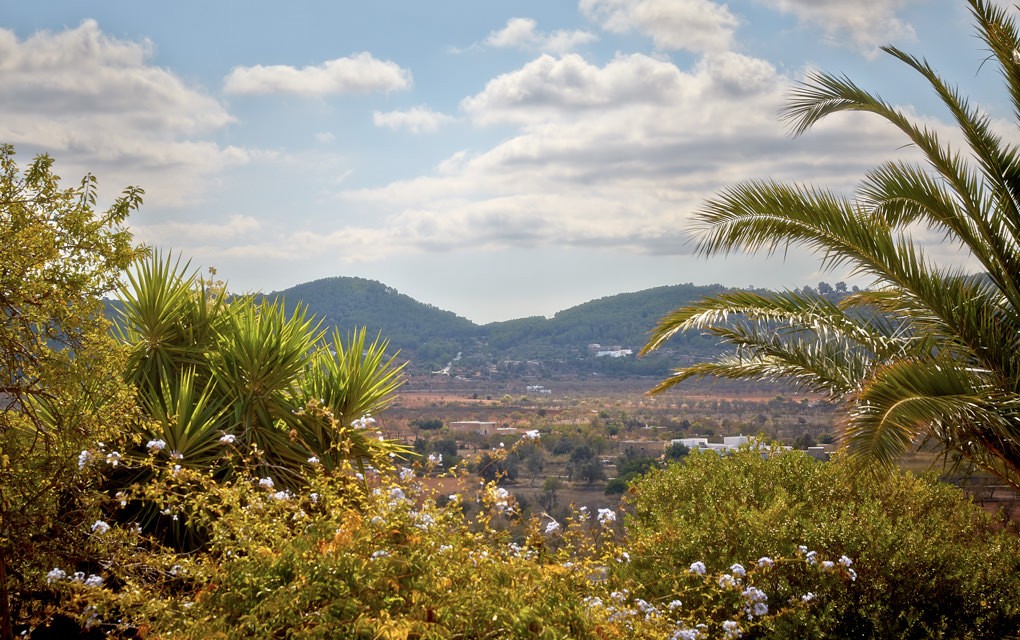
416, 329
432, 337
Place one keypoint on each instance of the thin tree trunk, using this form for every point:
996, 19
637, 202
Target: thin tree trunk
6, 627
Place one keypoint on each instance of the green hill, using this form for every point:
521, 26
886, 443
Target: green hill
431, 337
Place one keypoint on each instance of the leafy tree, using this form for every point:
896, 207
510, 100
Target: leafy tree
676, 451
427, 424
584, 465
929, 349
59, 369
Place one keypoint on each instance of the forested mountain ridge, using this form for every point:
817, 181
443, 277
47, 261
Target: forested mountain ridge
431, 337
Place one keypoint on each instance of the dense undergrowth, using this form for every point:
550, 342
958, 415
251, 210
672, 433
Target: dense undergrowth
748, 545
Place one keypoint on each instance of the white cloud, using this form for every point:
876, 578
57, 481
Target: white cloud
692, 25
181, 233
360, 73
415, 119
548, 88
96, 104
864, 25
522, 33
616, 156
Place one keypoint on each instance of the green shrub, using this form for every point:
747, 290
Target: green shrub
379, 556
927, 563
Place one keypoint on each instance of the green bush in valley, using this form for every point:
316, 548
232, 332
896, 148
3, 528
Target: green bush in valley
927, 563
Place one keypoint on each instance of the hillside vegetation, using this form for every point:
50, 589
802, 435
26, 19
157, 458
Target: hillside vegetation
431, 337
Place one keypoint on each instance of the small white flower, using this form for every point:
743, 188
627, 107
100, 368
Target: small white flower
156, 445
828, 565
228, 438
674, 605
94, 581
113, 458
396, 493
363, 422
79, 576
845, 561
84, 458
99, 527
176, 455
765, 561
406, 474
552, 527
726, 580
266, 483
176, 469
281, 495
738, 570
852, 574
55, 575
624, 557
731, 630
698, 568
801, 549
532, 434
606, 517
314, 460
436, 458
807, 597
811, 557
314, 497
380, 554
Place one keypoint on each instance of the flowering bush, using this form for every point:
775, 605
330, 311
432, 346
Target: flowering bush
376, 555
915, 557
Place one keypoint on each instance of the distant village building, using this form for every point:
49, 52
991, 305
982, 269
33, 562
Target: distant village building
728, 444
473, 426
614, 353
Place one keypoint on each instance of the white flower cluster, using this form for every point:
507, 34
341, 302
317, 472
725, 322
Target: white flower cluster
500, 499
755, 602
84, 459
606, 517
732, 630
532, 434
697, 567
155, 445
228, 438
99, 527
57, 575
364, 422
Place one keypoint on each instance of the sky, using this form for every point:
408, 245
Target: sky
498, 158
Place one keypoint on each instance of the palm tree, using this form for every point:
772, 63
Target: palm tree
928, 350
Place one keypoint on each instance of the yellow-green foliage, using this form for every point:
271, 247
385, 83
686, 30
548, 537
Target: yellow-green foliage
379, 556
927, 561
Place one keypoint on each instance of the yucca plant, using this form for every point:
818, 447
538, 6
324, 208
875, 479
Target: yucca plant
208, 365
928, 350
169, 317
350, 383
